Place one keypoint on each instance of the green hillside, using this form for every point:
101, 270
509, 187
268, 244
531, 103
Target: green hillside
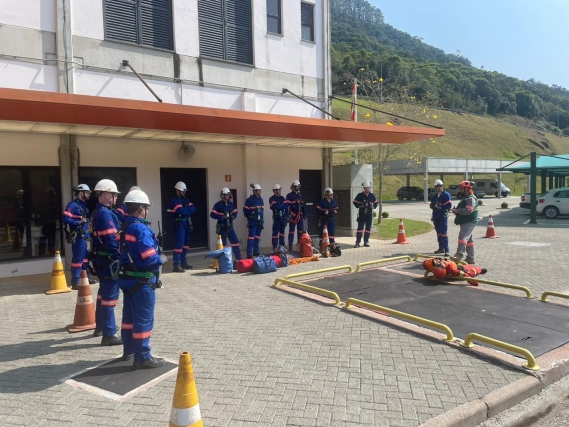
466, 136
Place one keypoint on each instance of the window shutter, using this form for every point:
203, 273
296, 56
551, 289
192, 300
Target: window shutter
120, 20
238, 18
211, 28
156, 23
307, 19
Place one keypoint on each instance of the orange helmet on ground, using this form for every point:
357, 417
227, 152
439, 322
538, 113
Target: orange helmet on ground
439, 272
451, 266
428, 264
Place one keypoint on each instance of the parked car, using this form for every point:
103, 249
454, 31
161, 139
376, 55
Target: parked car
525, 201
490, 186
410, 193
553, 203
454, 192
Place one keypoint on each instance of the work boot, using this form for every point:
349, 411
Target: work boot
249, 256
439, 251
469, 261
112, 340
187, 266
289, 249
457, 257
178, 269
127, 357
446, 255
357, 245
256, 255
153, 362
75, 286
92, 281
366, 244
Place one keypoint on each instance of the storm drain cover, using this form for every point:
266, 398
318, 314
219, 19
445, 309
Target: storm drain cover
116, 379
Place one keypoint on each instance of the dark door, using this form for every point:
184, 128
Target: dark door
196, 182
123, 177
311, 190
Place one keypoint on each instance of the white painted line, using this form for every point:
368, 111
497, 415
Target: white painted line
529, 244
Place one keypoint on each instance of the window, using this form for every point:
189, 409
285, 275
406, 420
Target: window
225, 30
30, 212
145, 22
307, 21
274, 16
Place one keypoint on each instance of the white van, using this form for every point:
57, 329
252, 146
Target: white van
490, 187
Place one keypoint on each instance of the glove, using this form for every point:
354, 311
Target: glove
83, 220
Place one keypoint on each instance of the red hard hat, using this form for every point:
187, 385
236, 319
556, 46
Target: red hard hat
440, 272
466, 184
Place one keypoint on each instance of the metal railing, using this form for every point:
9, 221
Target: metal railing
329, 294
553, 294
379, 261
323, 270
531, 364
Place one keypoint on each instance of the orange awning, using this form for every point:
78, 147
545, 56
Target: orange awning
49, 112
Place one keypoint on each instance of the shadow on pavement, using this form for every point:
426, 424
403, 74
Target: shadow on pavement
33, 349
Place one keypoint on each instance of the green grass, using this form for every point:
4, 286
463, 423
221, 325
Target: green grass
389, 228
467, 136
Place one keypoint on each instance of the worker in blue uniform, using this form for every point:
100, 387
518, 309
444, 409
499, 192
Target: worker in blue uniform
327, 209
181, 209
280, 216
139, 267
366, 203
76, 219
225, 212
441, 205
121, 212
254, 211
106, 261
296, 211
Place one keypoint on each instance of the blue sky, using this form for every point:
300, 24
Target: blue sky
520, 38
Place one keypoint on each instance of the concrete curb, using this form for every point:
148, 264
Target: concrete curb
477, 411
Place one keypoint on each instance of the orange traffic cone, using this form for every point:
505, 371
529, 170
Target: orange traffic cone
7, 236
218, 246
401, 237
325, 239
490, 231
58, 284
17, 245
84, 319
185, 405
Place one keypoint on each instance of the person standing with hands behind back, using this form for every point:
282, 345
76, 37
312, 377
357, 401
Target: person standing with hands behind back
441, 205
366, 203
466, 217
181, 209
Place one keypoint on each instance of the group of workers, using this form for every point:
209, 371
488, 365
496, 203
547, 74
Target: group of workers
466, 216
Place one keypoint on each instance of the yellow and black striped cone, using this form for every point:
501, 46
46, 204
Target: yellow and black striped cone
58, 283
185, 406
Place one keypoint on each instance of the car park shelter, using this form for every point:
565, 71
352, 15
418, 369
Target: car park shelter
442, 166
53, 141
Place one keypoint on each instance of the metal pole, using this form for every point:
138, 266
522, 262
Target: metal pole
533, 185
127, 64
355, 104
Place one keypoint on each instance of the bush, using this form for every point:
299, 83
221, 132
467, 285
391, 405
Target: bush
504, 205
480, 203
374, 213
385, 214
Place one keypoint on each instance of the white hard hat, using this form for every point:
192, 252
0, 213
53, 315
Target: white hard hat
296, 183
134, 187
276, 187
20, 192
255, 187
106, 186
83, 187
137, 196
328, 191
225, 191
366, 184
180, 186
438, 182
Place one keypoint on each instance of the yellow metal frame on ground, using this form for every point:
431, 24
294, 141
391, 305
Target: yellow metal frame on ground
329, 294
407, 316
527, 291
323, 270
531, 364
379, 261
553, 294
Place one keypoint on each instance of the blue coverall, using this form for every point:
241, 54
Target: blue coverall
441, 205
297, 213
365, 204
106, 247
280, 219
181, 209
327, 211
121, 213
74, 212
137, 283
254, 211
225, 213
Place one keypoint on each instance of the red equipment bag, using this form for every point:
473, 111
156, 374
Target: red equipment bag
305, 245
246, 265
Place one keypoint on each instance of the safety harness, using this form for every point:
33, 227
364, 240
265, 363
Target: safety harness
130, 270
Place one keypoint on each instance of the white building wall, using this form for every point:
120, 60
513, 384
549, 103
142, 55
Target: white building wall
26, 75
26, 149
36, 14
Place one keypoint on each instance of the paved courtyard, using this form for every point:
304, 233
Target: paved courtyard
264, 357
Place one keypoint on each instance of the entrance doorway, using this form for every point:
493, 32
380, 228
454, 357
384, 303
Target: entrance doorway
311, 190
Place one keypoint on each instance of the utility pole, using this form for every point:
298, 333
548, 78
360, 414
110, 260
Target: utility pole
355, 112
